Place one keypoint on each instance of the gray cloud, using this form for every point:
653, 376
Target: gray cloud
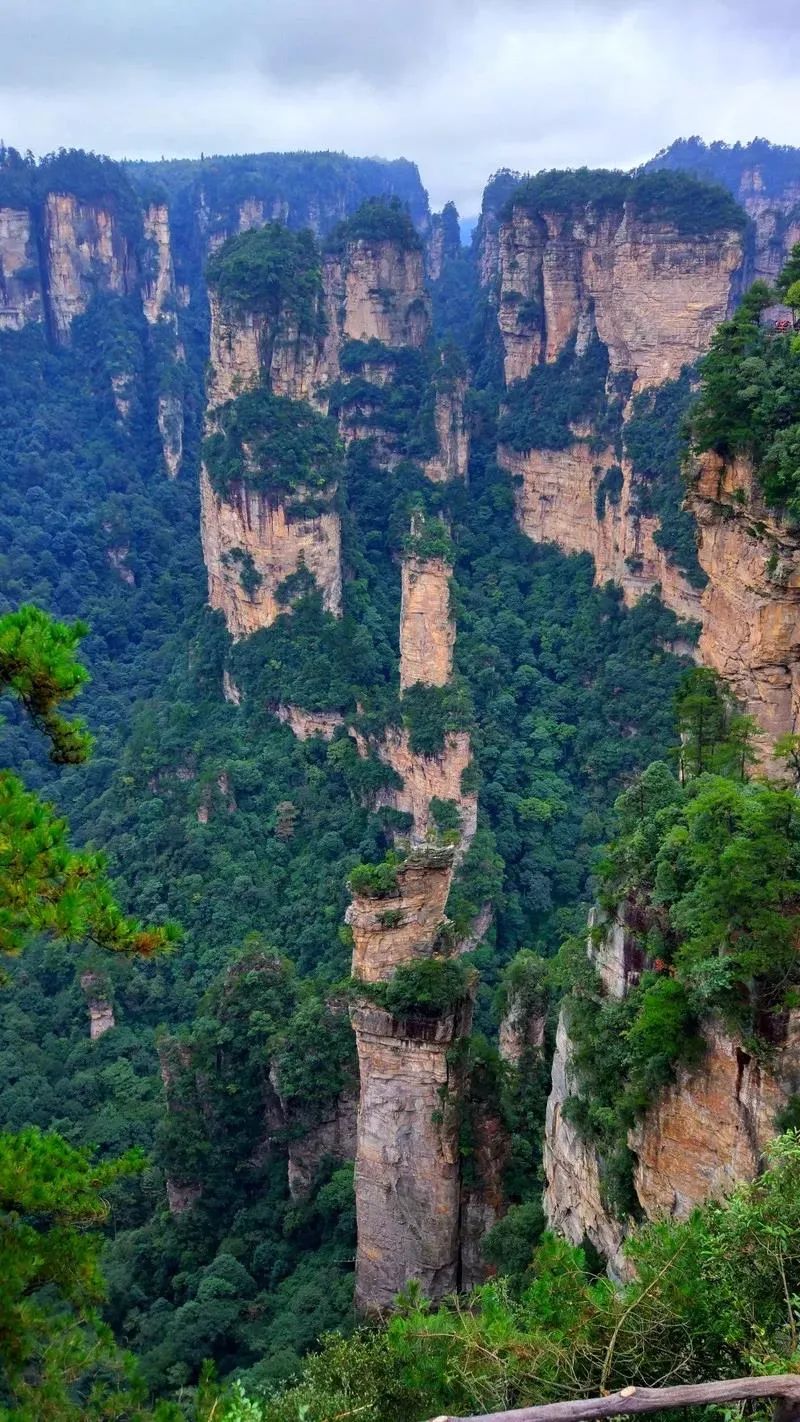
461, 86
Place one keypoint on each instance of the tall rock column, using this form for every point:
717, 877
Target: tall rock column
408, 1177
267, 503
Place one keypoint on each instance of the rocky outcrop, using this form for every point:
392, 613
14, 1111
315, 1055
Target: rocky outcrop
250, 531
306, 724
331, 1139
443, 242
247, 348
775, 217
451, 460
158, 277
20, 284
85, 250
427, 632
375, 291
573, 1200
101, 1009
709, 1129
428, 777
405, 925
751, 605
556, 496
652, 294
170, 417
702, 1135
408, 1177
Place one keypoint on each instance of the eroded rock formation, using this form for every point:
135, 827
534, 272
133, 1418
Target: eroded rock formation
427, 632
751, 605
408, 1175
556, 495
702, 1135
86, 249
20, 283
652, 294
451, 459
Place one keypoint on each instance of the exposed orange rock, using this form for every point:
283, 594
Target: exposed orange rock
378, 287
556, 502
405, 925
158, 288
84, 250
306, 724
709, 1130
427, 632
20, 286
653, 295
751, 605
249, 523
573, 1199
451, 460
428, 777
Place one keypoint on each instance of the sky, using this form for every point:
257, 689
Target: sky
462, 87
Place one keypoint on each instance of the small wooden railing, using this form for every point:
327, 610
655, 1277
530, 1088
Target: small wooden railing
785, 1389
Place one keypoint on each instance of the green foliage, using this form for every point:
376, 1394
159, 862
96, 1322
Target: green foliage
429, 987
378, 219
376, 881
714, 735
655, 441
696, 208
272, 272
429, 538
273, 444
542, 410
58, 1360
429, 712
609, 488
749, 397
713, 1296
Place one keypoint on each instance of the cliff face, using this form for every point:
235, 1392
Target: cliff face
85, 249
703, 1134
250, 526
408, 1176
99, 1004
751, 632
776, 220
247, 347
428, 777
20, 285
556, 500
653, 295
427, 633
451, 460
377, 290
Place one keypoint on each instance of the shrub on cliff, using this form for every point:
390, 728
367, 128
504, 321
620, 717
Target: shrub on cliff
271, 271
273, 444
378, 219
676, 199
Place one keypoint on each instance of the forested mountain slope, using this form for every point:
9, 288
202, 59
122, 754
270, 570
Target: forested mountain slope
383, 642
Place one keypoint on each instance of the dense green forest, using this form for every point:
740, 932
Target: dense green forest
213, 815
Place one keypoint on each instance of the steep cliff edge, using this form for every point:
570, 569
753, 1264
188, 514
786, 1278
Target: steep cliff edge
271, 462
85, 250
678, 1051
408, 1177
605, 289
20, 282
751, 634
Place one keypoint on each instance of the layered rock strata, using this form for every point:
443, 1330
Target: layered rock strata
556, 498
751, 604
408, 1175
652, 294
702, 1135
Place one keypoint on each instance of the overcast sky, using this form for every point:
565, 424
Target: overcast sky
463, 87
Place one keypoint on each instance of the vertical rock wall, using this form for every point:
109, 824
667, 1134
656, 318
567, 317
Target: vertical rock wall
408, 1176
20, 281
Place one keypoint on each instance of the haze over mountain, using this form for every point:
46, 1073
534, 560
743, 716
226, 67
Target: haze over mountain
462, 88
